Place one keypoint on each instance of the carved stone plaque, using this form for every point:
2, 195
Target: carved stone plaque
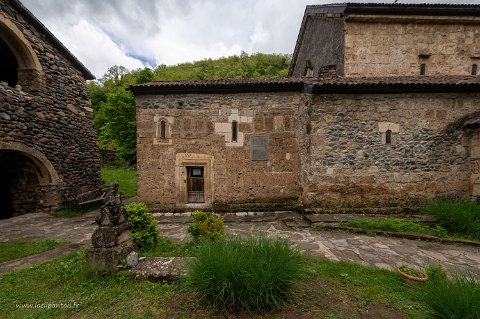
259, 147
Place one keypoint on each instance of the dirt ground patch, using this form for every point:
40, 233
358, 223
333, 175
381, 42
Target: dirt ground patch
317, 298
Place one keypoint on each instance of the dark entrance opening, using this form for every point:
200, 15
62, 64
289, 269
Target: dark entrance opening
6, 210
24, 184
8, 65
195, 184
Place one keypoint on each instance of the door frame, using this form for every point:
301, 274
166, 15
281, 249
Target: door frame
184, 160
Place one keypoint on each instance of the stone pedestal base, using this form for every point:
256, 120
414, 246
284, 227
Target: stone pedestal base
107, 259
111, 236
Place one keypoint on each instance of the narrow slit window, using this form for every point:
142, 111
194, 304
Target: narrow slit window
388, 137
423, 69
234, 131
163, 130
474, 69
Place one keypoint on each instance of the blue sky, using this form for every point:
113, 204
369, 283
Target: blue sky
139, 33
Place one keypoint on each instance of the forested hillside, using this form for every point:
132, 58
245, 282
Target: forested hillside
114, 106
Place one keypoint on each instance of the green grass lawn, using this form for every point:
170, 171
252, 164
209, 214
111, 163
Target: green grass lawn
16, 249
125, 176
326, 290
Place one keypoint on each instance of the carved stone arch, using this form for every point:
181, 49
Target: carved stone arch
47, 173
29, 68
29, 181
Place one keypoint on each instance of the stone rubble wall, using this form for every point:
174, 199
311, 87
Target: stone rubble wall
397, 47
336, 145
200, 124
350, 162
53, 115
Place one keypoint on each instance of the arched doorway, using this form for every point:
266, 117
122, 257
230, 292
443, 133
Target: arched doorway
26, 185
8, 65
19, 64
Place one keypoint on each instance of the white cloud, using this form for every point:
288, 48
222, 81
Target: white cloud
97, 50
129, 32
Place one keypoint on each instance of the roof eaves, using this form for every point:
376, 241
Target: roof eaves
435, 9
394, 88
208, 88
36, 23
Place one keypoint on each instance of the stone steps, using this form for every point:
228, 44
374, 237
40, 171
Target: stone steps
233, 217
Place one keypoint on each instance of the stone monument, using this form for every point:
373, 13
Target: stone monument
112, 240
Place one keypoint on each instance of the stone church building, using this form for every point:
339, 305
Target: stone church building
381, 108
48, 148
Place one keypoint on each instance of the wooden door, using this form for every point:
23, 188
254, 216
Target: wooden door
195, 184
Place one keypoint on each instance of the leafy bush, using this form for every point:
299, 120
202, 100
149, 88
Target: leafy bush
206, 226
436, 273
457, 299
250, 274
459, 216
145, 231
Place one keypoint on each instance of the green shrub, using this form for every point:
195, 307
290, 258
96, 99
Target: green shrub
145, 231
457, 299
250, 274
436, 273
206, 226
459, 216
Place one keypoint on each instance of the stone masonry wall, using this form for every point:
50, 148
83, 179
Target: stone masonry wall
398, 46
350, 162
54, 117
199, 131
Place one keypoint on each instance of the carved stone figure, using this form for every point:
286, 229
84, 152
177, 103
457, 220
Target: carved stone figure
112, 240
112, 212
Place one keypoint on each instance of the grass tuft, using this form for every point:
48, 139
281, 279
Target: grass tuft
456, 299
239, 274
460, 216
397, 225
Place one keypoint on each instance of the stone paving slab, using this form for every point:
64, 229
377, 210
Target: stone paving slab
186, 217
161, 267
40, 226
380, 252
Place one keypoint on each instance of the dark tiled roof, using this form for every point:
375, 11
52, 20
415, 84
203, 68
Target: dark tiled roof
443, 9
219, 86
395, 84
316, 85
39, 25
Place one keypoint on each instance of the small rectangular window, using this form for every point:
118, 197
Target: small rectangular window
234, 131
163, 130
423, 69
388, 137
474, 69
